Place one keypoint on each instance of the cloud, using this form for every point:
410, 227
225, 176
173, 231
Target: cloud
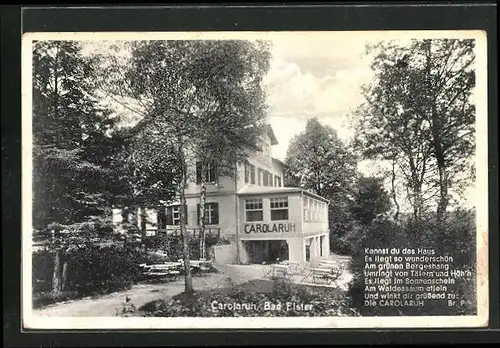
315, 77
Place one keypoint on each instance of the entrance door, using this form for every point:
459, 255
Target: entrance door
308, 253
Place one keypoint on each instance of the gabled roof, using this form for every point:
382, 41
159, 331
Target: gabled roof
278, 161
270, 132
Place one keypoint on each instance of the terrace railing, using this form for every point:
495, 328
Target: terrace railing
194, 233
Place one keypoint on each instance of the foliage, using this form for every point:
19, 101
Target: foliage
318, 160
187, 94
72, 135
370, 199
91, 270
324, 302
455, 238
418, 114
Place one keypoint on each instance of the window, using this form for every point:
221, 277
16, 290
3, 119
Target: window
252, 174
265, 178
173, 216
277, 181
211, 213
271, 182
279, 208
253, 210
210, 173
259, 176
267, 150
176, 216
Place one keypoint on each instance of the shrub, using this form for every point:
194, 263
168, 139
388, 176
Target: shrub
91, 270
102, 270
324, 302
455, 237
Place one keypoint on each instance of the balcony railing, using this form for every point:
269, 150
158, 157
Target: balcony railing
210, 232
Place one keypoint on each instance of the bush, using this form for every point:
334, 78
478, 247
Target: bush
324, 302
91, 270
97, 270
455, 237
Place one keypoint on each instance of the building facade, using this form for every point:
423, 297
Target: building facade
263, 220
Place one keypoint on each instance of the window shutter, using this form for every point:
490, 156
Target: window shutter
215, 214
198, 173
169, 219
247, 173
214, 174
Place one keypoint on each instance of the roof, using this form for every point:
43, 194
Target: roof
260, 190
279, 161
270, 132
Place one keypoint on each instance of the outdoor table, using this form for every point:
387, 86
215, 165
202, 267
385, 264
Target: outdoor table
327, 274
278, 271
162, 270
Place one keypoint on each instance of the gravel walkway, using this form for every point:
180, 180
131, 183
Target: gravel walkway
111, 304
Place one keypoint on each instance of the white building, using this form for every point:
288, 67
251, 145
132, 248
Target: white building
261, 218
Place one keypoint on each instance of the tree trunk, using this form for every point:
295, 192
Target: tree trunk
393, 189
203, 198
133, 217
143, 222
56, 274
64, 282
443, 193
188, 281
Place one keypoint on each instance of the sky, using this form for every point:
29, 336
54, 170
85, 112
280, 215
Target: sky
310, 76
314, 77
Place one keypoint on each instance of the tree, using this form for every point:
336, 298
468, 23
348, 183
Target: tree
370, 199
418, 114
72, 140
142, 177
318, 160
192, 93
230, 107
72, 147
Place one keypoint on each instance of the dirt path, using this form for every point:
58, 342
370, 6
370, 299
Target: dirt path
140, 294
109, 305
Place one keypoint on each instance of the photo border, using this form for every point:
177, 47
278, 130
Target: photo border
392, 16
481, 202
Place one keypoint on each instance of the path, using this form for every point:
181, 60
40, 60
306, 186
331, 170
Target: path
140, 294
